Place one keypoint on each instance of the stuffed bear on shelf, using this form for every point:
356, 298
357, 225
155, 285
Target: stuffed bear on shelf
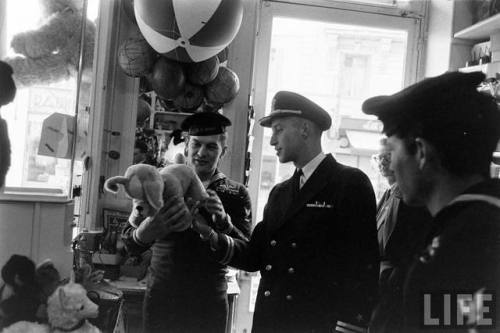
51, 53
68, 310
19, 295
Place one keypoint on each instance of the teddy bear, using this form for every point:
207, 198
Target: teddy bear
51, 53
68, 309
19, 295
149, 187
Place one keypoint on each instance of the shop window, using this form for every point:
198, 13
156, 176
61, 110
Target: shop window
41, 118
337, 58
354, 76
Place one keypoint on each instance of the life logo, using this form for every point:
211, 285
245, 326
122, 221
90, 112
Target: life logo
459, 309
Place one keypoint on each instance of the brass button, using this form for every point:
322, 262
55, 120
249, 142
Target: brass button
294, 245
289, 297
291, 270
273, 243
269, 267
267, 293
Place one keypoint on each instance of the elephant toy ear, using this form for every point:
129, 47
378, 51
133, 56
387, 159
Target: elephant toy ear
111, 185
154, 193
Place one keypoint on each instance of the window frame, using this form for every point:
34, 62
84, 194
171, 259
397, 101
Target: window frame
340, 12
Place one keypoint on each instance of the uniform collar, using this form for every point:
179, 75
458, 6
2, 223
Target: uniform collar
215, 177
486, 188
311, 166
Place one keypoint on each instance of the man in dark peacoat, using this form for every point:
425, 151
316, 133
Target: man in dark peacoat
316, 248
442, 133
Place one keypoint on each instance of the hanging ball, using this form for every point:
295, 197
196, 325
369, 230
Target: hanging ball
168, 78
136, 57
190, 99
203, 72
189, 30
224, 88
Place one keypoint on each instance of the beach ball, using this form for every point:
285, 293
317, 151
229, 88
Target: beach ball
168, 78
188, 30
224, 88
190, 98
135, 57
203, 72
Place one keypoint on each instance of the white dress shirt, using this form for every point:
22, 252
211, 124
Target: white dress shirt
309, 168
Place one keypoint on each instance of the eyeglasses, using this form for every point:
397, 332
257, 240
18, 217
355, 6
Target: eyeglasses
382, 158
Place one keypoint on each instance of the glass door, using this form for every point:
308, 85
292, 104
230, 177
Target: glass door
337, 58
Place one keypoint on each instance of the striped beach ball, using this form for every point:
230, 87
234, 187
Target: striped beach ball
189, 30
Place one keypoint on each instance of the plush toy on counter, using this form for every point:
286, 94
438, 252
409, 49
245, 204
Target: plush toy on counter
149, 187
19, 296
48, 279
51, 52
68, 310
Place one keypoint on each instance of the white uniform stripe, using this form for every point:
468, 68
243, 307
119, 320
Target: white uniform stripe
476, 197
160, 43
229, 251
191, 18
351, 327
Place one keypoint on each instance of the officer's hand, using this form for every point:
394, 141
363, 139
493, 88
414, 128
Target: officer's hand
214, 206
174, 216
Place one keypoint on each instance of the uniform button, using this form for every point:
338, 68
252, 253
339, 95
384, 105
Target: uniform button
291, 270
294, 245
267, 293
289, 297
269, 267
273, 243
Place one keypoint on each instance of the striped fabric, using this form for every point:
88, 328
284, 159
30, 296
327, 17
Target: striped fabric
476, 197
229, 251
344, 327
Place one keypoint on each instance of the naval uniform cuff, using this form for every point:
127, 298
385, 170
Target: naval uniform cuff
343, 327
136, 239
228, 255
227, 227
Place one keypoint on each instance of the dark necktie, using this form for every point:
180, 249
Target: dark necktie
296, 182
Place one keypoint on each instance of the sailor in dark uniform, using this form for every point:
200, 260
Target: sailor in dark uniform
316, 248
187, 287
441, 134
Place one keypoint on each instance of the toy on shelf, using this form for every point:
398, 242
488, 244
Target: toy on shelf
68, 310
19, 296
51, 52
